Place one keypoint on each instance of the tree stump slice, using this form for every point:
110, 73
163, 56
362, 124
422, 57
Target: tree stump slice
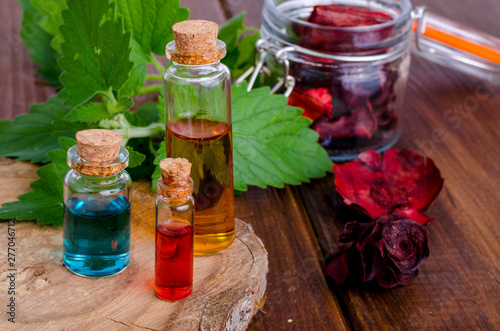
227, 291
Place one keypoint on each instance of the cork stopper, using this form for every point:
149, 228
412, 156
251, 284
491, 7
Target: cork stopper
195, 36
97, 145
195, 43
175, 172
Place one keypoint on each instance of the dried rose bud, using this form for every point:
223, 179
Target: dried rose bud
388, 251
395, 182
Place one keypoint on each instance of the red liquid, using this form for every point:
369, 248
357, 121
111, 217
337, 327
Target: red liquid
174, 260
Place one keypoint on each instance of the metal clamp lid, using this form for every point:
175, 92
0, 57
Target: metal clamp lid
263, 47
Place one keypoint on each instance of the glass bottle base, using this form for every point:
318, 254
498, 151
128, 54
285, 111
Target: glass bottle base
173, 294
212, 243
96, 266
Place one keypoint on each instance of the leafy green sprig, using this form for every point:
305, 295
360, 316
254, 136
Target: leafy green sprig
101, 54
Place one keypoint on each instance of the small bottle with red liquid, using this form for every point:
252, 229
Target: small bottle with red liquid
174, 231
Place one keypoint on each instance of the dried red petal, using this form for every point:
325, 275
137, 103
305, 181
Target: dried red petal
343, 17
338, 269
388, 250
352, 231
400, 182
360, 123
405, 243
314, 102
389, 278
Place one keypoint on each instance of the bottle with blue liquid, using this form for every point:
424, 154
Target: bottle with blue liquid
97, 193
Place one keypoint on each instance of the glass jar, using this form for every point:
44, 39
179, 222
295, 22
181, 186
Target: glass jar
351, 81
174, 241
96, 239
198, 116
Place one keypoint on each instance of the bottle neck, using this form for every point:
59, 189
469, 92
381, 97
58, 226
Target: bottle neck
98, 180
169, 192
198, 58
97, 169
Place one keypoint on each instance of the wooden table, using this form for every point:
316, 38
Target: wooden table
458, 286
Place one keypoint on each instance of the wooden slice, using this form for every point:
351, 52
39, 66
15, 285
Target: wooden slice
227, 291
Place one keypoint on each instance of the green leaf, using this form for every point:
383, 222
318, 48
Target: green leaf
95, 111
135, 158
161, 107
31, 136
37, 41
123, 104
45, 202
144, 115
240, 44
138, 73
95, 50
231, 32
272, 142
66, 142
52, 20
90, 112
151, 22
162, 153
147, 147
246, 53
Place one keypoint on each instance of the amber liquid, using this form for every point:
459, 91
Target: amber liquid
208, 146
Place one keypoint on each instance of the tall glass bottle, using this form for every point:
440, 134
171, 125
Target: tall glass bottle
97, 193
198, 128
174, 231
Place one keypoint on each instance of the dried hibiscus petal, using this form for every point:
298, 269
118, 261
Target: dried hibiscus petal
314, 102
358, 122
343, 17
395, 182
389, 250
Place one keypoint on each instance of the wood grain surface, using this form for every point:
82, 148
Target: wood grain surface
458, 286
227, 287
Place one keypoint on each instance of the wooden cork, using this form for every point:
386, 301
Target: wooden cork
97, 145
195, 36
175, 172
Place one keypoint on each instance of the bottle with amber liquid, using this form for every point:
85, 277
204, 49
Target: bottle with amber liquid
198, 128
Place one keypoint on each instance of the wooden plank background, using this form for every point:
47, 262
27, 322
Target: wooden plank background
458, 286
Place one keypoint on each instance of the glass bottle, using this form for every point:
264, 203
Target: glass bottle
174, 240
97, 193
198, 128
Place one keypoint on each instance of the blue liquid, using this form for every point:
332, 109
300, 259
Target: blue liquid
97, 235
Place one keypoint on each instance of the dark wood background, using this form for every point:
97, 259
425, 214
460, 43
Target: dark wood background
458, 286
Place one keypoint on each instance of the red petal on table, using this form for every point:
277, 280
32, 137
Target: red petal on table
414, 215
388, 278
314, 102
360, 123
338, 269
421, 177
400, 182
